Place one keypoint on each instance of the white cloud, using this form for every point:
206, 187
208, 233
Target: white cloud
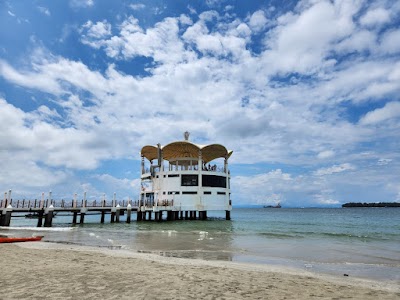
384, 161
334, 169
44, 10
137, 6
97, 31
390, 42
389, 111
326, 154
300, 43
258, 21
11, 14
375, 17
81, 3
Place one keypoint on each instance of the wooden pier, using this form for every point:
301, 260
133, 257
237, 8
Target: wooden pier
46, 210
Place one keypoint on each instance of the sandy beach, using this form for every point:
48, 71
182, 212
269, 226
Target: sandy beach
55, 271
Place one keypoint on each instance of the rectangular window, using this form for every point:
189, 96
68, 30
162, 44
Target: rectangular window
173, 193
173, 175
189, 193
190, 180
207, 193
221, 193
214, 181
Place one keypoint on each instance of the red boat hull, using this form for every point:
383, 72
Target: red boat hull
20, 239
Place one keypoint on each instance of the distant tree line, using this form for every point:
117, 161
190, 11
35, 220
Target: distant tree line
380, 204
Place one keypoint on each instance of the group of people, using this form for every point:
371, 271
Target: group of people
209, 167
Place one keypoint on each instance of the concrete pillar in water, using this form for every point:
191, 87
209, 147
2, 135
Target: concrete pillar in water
83, 213
48, 220
117, 213
149, 215
128, 213
40, 218
186, 215
103, 214
113, 211
160, 215
228, 215
139, 215
7, 215
74, 217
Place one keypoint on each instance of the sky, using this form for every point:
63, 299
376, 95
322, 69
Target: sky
305, 93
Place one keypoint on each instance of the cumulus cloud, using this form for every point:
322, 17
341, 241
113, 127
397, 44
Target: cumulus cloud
334, 169
98, 30
44, 10
390, 42
389, 111
258, 21
137, 6
81, 3
326, 154
375, 16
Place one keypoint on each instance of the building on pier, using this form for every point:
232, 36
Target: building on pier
186, 178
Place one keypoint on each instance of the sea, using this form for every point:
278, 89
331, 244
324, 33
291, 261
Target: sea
359, 242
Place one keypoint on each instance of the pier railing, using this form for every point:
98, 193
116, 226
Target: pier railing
36, 203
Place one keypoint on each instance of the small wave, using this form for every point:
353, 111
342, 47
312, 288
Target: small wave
278, 235
38, 228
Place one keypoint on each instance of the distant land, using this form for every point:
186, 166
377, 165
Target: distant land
380, 204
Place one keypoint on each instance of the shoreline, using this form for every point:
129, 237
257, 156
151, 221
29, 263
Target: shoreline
37, 269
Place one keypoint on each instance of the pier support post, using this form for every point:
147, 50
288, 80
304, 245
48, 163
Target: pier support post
117, 213
228, 215
7, 216
74, 217
181, 215
128, 213
113, 210
149, 218
186, 215
156, 216
139, 215
160, 216
103, 214
48, 220
83, 213
40, 218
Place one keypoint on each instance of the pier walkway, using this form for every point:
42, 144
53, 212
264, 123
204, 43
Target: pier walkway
46, 210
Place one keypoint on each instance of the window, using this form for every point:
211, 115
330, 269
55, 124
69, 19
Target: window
207, 193
190, 180
189, 193
173, 175
172, 193
221, 193
214, 181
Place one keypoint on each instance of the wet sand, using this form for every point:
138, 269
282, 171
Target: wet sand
40, 270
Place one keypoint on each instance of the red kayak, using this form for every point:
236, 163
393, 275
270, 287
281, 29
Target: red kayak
20, 239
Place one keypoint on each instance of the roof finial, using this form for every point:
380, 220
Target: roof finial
186, 135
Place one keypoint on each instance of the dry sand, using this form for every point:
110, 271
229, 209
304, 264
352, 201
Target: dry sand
52, 271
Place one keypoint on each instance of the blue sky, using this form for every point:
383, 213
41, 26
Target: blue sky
306, 94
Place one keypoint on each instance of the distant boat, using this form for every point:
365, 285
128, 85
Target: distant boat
273, 206
20, 239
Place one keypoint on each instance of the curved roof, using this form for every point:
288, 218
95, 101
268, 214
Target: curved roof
187, 149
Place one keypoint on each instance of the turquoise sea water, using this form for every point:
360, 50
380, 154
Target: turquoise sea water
362, 242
